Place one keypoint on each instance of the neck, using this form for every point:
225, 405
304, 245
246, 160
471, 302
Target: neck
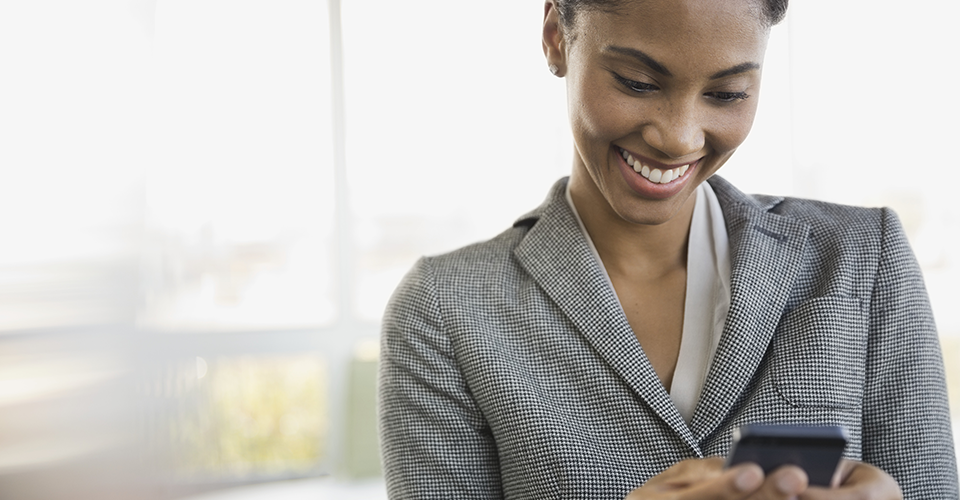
627, 248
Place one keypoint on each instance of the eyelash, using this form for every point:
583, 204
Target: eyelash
642, 88
638, 87
729, 96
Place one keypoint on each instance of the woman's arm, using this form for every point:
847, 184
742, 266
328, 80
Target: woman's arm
906, 418
435, 441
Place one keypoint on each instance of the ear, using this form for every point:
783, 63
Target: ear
554, 47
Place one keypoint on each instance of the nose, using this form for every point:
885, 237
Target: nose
675, 130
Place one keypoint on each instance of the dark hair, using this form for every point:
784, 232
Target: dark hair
773, 11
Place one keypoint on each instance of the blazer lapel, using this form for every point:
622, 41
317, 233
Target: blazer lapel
766, 253
557, 256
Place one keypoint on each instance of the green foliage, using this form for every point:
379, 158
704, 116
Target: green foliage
254, 416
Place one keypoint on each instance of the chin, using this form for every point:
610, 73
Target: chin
645, 212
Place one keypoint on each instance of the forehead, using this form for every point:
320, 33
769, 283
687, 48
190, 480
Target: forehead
718, 33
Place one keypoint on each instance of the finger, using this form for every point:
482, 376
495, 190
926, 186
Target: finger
861, 481
784, 483
687, 472
732, 484
844, 468
702, 480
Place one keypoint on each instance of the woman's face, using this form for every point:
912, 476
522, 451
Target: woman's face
660, 94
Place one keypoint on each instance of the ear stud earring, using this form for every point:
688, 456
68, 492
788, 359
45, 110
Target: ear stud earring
554, 69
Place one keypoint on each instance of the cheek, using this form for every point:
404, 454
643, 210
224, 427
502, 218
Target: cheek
730, 129
597, 113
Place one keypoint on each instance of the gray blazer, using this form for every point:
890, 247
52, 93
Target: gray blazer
508, 370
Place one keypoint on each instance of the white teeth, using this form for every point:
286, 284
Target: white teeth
655, 176
667, 177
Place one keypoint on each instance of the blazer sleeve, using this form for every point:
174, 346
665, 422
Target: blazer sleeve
906, 417
435, 441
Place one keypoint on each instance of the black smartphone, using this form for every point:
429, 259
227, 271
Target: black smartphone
815, 449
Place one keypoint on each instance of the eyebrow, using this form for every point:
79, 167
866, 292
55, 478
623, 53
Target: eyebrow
736, 70
642, 57
659, 68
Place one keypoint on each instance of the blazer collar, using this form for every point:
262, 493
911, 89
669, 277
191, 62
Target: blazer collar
557, 256
766, 254
766, 251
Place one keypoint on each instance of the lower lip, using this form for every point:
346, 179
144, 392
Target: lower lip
642, 186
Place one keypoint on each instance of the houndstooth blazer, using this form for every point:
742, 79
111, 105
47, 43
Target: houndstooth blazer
508, 370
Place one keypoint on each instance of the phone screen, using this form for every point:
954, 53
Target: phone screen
816, 450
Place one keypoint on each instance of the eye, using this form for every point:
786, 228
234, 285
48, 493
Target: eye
638, 87
728, 96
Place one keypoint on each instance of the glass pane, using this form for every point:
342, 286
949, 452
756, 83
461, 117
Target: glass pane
451, 135
72, 149
244, 416
240, 198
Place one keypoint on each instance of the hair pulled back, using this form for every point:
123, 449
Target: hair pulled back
772, 11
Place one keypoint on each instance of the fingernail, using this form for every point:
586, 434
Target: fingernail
745, 481
786, 484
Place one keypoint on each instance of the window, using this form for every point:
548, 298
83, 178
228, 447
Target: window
198, 246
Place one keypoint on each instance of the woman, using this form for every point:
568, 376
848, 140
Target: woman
611, 340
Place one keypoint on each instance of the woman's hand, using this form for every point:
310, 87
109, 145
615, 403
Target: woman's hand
707, 480
857, 480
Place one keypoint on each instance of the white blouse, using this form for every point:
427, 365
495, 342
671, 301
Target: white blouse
707, 296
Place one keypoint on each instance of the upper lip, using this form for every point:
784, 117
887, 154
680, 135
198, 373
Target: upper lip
656, 164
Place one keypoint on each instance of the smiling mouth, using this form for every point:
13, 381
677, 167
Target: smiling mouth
654, 175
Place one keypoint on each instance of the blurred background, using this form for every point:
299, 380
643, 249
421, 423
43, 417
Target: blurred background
205, 205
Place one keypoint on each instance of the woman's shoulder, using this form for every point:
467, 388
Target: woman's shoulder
470, 277
840, 242
481, 256
822, 217
818, 213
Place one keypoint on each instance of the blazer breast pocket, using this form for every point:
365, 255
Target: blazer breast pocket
820, 350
